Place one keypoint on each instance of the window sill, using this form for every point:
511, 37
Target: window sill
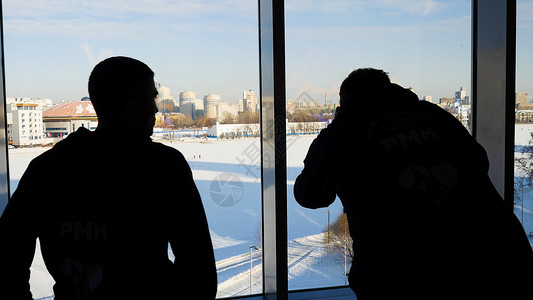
336, 293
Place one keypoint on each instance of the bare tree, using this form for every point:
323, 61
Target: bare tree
247, 117
338, 238
228, 118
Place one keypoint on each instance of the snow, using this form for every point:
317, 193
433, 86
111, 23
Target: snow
242, 222
41, 282
310, 265
523, 134
223, 242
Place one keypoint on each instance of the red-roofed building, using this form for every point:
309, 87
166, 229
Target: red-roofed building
62, 119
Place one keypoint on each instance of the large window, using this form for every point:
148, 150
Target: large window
204, 55
423, 46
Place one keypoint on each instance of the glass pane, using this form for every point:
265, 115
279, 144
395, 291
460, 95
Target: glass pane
422, 45
523, 195
205, 58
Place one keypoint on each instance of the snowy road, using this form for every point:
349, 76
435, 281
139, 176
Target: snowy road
240, 283
310, 265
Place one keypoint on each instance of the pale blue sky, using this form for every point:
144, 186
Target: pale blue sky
212, 46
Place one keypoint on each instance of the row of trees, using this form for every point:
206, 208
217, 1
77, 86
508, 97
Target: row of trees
180, 121
311, 115
245, 117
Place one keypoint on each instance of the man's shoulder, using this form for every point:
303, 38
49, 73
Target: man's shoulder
433, 108
164, 151
50, 159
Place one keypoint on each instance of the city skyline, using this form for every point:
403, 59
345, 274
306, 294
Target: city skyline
39, 121
175, 97
212, 47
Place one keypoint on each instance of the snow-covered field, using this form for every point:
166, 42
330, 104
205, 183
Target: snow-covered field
227, 174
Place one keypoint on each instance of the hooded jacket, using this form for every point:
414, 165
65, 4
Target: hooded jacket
422, 212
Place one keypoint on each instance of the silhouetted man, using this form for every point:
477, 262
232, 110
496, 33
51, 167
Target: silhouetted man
425, 219
106, 204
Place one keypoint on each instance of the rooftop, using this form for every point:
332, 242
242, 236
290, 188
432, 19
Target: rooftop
78, 109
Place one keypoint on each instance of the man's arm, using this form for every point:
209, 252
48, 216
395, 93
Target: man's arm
315, 186
17, 241
190, 239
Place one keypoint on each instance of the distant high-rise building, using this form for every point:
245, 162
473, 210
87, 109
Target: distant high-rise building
248, 94
164, 101
24, 122
198, 107
187, 103
225, 109
240, 105
163, 93
187, 96
211, 103
249, 101
460, 96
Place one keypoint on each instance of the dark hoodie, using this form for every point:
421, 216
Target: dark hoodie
104, 206
424, 216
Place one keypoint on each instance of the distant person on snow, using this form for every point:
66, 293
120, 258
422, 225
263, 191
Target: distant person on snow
425, 219
106, 204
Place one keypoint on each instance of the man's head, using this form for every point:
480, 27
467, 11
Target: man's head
361, 84
122, 91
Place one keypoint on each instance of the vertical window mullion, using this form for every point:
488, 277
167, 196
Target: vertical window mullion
493, 87
273, 147
4, 171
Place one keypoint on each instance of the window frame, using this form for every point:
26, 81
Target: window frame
493, 98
